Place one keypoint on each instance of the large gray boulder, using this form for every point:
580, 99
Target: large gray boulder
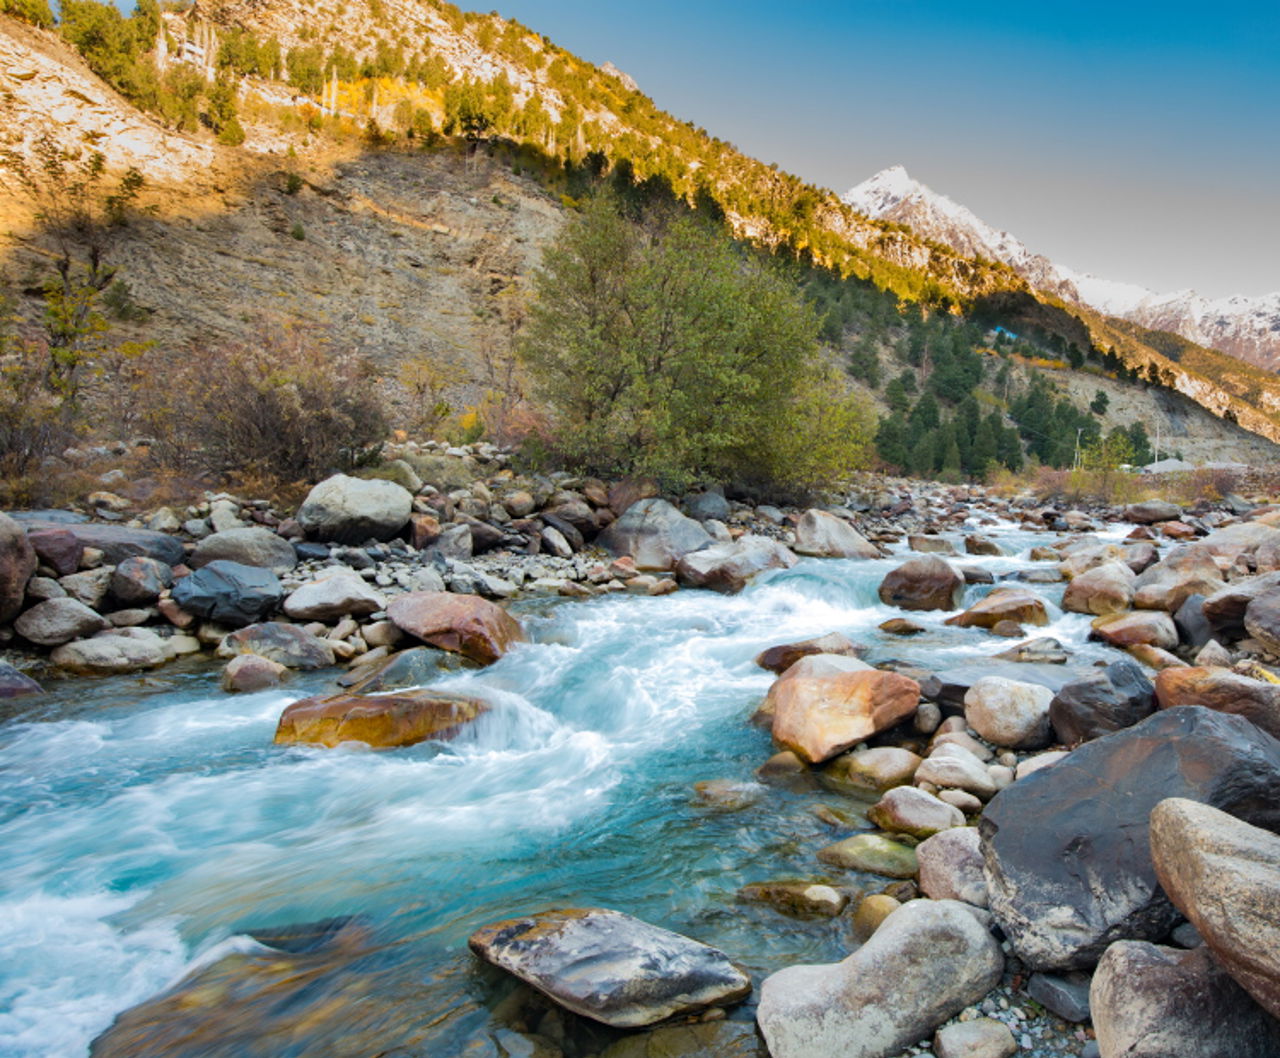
110, 655
350, 510
15, 684
17, 566
229, 593
1148, 512
1155, 1002
926, 962
57, 621
1224, 875
339, 594
823, 535
250, 546
1262, 620
1068, 862
611, 967
729, 567
655, 534
1103, 701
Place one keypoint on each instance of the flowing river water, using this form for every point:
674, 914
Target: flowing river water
149, 825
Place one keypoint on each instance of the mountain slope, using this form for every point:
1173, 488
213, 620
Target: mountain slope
1247, 328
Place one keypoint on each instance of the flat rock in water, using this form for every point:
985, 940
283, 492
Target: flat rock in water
402, 718
1004, 604
1068, 864
780, 658
611, 967
728, 567
15, 684
922, 584
288, 645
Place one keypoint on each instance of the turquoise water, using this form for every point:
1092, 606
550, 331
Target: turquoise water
148, 825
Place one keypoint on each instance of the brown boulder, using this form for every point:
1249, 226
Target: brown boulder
822, 714
465, 624
402, 718
1004, 604
780, 658
59, 549
922, 584
1262, 619
1105, 589
1139, 626
17, 566
1223, 691
1224, 875
1226, 607
1189, 570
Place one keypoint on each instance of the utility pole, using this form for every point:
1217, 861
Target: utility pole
1076, 463
1157, 440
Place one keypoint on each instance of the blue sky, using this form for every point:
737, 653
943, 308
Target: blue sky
1135, 140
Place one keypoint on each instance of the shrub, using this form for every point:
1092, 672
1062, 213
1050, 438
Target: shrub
282, 407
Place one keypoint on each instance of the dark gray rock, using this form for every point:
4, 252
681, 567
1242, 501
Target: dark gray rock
611, 967
1193, 627
116, 542
15, 684
1068, 864
1155, 1002
140, 580
229, 593
1225, 608
1106, 700
703, 506
1067, 995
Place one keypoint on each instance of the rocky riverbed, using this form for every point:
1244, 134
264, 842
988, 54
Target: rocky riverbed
978, 724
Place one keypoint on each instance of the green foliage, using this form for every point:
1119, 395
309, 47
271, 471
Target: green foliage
37, 12
664, 350
297, 231
1100, 403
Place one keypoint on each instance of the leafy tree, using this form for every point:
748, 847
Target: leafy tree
37, 12
896, 396
1100, 403
663, 349
1142, 453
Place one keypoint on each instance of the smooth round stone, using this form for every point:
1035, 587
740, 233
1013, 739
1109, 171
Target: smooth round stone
727, 795
782, 767
878, 769
980, 1038
928, 717
962, 799
802, 899
873, 853
873, 910
907, 810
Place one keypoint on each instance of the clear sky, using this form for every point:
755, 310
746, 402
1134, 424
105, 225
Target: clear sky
1136, 140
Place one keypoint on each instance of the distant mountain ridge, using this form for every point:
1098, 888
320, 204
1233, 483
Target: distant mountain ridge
1245, 327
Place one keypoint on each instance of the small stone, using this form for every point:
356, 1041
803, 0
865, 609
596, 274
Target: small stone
872, 910
873, 853
976, 1038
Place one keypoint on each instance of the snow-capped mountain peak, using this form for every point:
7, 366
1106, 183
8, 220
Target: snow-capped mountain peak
1246, 327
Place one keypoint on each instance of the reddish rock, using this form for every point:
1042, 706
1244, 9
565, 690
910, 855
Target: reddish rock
464, 624
1105, 589
250, 672
821, 714
1139, 626
1176, 530
424, 530
1004, 604
1223, 691
58, 549
402, 718
780, 658
629, 490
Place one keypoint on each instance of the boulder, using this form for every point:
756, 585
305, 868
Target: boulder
251, 546
705, 506
1107, 700
1222, 690
873, 853
907, 810
1148, 512
140, 580
1067, 859
926, 962
934, 545
1003, 604
89, 586
109, 655
1262, 620
871, 912
611, 967
630, 490
655, 534
819, 713
385, 721
974, 544
287, 645
729, 567
249, 672
17, 566
1087, 554
57, 621
339, 594
1043, 650
1140, 555
1105, 589
1149, 1001
1253, 541
1193, 627
116, 542
56, 548
15, 684
780, 658
874, 770
1137, 626
350, 510
464, 624
1226, 607
1224, 875
1009, 713
922, 584
229, 593
1188, 570
950, 865
823, 535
